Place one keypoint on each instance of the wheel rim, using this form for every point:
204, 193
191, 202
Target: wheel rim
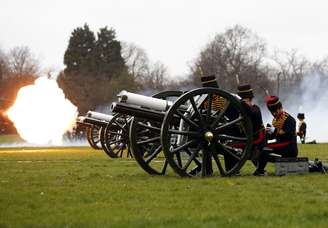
203, 138
93, 136
145, 140
115, 138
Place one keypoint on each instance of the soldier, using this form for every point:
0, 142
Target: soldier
208, 81
246, 94
301, 127
218, 104
284, 133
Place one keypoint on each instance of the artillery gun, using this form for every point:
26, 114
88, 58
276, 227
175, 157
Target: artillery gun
122, 123
96, 124
192, 133
111, 132
93, 122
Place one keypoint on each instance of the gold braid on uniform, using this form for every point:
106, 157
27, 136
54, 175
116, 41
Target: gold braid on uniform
278, 123
217, 103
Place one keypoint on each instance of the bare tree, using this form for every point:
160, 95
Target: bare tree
22, 62
237, 51
3, 65
292, 68
320, 66
148, 75
136, 59
156, 76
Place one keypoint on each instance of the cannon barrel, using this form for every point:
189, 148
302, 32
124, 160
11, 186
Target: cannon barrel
143, 101
99, 116
137, 111
88, 121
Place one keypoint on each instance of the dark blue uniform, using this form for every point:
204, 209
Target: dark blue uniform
285, 135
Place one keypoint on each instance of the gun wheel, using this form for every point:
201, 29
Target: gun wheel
115, 137
213, 135
93, 137
145, 140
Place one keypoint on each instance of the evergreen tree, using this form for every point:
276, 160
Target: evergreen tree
95, 70
108, 54
79, 56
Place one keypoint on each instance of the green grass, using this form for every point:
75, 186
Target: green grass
82, 187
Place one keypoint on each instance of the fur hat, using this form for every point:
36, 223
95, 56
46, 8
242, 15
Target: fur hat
273, 103
209, 81
300, 116
245, 91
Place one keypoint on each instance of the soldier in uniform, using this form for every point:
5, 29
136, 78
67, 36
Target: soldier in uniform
254, 112
209, 81
218, 103
301, 127
283, 131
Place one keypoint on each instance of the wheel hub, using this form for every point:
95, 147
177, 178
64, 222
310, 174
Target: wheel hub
208, 136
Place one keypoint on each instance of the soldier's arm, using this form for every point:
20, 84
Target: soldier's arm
289, 127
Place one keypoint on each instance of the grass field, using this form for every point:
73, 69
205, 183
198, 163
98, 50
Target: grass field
82, 187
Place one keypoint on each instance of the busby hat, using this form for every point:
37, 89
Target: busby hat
273, 103
245, 91
209, 81
300, 116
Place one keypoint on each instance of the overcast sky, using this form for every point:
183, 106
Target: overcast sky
170, 31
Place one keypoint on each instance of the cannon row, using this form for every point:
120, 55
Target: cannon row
111, 132
202, 132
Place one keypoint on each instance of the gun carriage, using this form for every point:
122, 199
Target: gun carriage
118, 129
201, 129
144, 134
93, 122
111, 132
96, 124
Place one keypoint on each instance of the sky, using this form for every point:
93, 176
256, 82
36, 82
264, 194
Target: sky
170, 31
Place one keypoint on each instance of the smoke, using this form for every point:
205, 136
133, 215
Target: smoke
41, 113
311, 99
105, 109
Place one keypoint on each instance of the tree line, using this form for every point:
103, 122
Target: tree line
98, 66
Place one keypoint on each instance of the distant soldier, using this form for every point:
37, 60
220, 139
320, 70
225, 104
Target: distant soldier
301, 127
284, 132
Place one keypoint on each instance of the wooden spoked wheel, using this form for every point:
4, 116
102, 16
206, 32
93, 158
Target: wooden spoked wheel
206, 130
145, 140
93, 137
115, 137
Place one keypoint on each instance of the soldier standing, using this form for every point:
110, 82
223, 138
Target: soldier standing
301, 127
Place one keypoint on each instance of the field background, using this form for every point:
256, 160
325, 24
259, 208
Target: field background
82, 187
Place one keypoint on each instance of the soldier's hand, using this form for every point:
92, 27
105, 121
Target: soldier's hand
269, 130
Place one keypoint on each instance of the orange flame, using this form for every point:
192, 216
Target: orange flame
41, 113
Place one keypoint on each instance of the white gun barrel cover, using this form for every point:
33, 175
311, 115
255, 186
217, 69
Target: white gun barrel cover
143, 101
99, 116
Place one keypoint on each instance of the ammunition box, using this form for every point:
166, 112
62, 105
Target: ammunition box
290, 166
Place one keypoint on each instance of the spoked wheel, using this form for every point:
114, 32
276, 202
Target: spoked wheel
93, 136
206, 128
145, 140
115, 137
